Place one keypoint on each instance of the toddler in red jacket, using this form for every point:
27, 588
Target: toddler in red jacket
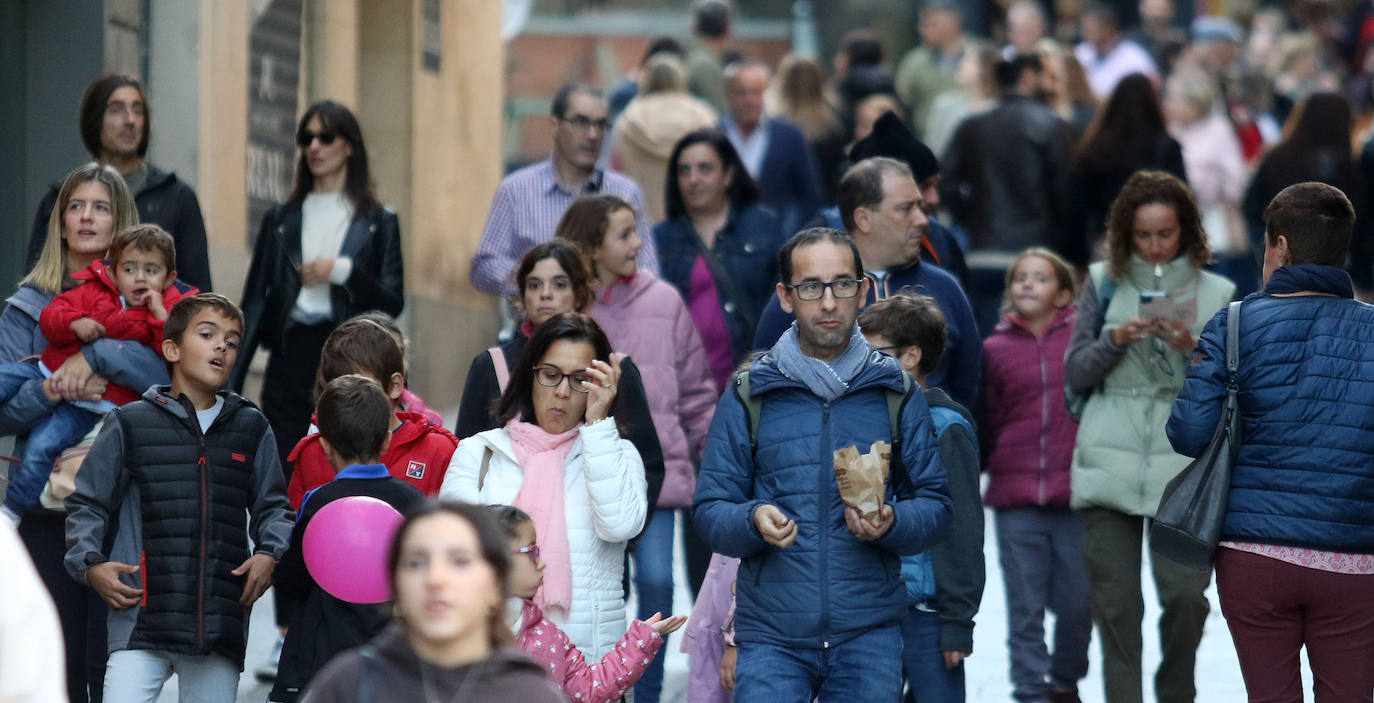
1029, 438
128, 300
541, 640
419, 451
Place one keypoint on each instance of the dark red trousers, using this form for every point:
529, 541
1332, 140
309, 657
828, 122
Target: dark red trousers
1274, 609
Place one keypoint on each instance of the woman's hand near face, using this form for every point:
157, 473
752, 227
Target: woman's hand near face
602, 388
1132, 331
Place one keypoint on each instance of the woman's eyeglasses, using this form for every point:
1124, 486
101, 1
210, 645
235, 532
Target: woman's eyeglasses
304, 139
551, 377
532, 550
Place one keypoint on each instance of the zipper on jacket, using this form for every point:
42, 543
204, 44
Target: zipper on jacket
1044, 417
203, 468
826, 474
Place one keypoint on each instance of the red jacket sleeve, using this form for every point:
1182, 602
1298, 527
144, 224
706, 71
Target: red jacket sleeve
312, 469
56, 319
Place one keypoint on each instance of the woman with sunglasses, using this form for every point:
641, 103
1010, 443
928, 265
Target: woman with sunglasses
1139, 315
561, 457
330, 252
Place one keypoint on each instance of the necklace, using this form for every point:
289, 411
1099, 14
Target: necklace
430, 688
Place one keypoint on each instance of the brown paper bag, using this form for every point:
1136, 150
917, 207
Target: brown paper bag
863, 478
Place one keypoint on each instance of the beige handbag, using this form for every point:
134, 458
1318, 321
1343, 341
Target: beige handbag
62, 480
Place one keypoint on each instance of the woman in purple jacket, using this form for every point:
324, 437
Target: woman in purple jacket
646, 318
1030, 437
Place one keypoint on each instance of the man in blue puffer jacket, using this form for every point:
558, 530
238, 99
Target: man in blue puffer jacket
820, 595
1295, 567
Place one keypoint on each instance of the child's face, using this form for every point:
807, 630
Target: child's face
140, 272
616, 256
526, 569
444, 587
1035, 289
206, 352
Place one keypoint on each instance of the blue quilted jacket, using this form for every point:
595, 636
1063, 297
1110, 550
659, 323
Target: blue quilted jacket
1305, 472
828, 586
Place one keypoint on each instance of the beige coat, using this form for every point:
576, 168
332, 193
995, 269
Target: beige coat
644, 137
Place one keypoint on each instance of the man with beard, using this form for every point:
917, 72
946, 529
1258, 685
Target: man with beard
116, 124
530, 202
880, 206
820, 598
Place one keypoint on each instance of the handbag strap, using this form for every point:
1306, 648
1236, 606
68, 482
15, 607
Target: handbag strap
498, 364
1232, 346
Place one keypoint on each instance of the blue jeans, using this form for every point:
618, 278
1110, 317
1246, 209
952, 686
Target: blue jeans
653, 576
46, 440
866, 668
923, 664
137, 676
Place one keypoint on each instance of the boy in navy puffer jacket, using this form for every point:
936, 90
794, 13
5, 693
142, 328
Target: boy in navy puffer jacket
944, 584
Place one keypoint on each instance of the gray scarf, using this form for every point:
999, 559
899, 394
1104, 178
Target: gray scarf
829, 380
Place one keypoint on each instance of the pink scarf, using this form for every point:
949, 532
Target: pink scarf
543, 457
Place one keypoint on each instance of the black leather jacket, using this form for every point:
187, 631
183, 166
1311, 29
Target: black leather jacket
1006, 175
376, 282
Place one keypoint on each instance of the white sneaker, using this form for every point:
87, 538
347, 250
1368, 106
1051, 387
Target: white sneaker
268, 671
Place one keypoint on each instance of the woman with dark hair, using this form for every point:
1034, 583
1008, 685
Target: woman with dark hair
1128, 134
330, 252
1138, 316
1315, 147
717, 247
552, 280
448, 567
647, 319
561, 457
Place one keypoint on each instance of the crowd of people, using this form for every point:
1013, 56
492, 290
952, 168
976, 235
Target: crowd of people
998, 265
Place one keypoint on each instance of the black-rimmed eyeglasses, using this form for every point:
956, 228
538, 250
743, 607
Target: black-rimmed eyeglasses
815, 290
552, 376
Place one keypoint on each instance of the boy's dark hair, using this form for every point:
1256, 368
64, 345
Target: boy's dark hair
354, 416
510, 518
861, 47
145, 237
559, 106
1008, 72
362, 346
179, 317
909, 320
811, 236
711, 18
93, 111
662, 44
862, 186
1316, 219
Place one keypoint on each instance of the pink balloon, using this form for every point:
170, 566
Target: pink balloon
345, 548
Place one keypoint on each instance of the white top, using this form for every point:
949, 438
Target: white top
31, 650
207, 416
1105, 71
752, 148
324, 222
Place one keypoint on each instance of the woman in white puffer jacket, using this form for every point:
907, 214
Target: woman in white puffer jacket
570, 469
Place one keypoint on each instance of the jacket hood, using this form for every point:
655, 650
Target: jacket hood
99, 270
938, 398
880, 370
1010, 321
625, 291
180, 406
656, 122
30, 299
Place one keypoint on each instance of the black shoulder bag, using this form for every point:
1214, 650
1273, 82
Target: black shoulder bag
1187, 526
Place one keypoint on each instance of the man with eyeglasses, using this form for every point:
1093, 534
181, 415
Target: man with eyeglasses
880, 206
820, 600
116, 126
530, 201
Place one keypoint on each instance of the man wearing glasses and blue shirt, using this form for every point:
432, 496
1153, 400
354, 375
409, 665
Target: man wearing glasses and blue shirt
820, 599
880, 206
529, 202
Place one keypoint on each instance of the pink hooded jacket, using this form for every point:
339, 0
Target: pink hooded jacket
646, 319
1029, 435
603, 682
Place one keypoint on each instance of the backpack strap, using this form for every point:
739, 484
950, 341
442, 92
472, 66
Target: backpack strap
753, 407
1106, 288
896, 401
498, 364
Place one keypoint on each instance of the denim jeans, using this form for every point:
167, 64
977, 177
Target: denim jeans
923, 664
653, 578
866, 668
64, 427
137, 676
